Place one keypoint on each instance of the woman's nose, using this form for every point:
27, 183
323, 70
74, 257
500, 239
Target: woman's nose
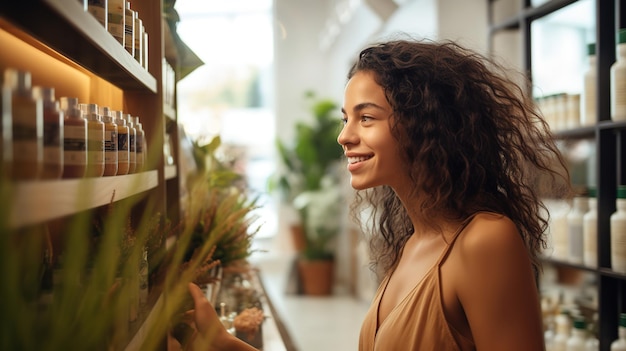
344, 136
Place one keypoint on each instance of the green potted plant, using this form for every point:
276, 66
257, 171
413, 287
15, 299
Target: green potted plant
309, 182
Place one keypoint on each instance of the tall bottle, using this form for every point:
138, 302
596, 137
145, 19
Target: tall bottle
575, 229
590, 87
110, 142
95, 142
132, 144
140, 141
620, 343
74, 139
618, 80
123, 154
618, 232
52, 134
27, 110
578, 336
590, 231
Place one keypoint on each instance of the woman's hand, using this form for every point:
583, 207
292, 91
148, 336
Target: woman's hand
211, 334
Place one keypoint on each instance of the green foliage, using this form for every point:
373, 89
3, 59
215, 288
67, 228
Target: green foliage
309, 176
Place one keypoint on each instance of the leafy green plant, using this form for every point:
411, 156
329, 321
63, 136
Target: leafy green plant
309, 175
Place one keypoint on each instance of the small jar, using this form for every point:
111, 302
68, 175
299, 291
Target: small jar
110, 142
123, 154
74, 139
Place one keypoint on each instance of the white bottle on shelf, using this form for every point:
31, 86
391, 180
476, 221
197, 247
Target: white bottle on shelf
575, 229
618, 79
588, 115
620, 343
578, 336
590, 231
618, 232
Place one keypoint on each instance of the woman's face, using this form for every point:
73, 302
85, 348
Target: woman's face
372, 152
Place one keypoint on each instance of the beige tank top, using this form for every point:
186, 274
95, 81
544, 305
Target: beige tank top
418, 321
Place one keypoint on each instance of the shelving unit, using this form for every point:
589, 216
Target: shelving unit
608, 136
67, 48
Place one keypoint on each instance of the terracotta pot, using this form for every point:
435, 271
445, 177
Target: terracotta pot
316, 276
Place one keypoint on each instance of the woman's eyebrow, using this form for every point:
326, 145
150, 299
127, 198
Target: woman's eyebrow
362, 106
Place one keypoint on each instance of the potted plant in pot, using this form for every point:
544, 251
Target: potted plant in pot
309, 182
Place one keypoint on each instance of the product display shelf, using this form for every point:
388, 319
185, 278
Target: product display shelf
40, 201
66, 27
609, 137
70, 37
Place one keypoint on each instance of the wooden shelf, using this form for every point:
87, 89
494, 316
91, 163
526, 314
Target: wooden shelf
67, 29
40, 201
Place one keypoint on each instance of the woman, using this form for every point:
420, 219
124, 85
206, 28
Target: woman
447, 156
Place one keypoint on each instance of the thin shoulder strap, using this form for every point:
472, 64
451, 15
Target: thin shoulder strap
458, 232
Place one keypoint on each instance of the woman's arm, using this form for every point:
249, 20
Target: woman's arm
212, 336
497, 288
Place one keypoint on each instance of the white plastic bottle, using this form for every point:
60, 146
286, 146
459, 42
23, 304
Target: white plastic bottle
618, 232
558, 230
575, 229
590, 231
588, 115
620, 343
578, 336
618, 79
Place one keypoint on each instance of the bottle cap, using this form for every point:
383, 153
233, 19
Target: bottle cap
621, 36
91, 111
621, 191
622, 320
119, 118
129, 120
591, 49
69, 105
9, 78
579, 323
105, 111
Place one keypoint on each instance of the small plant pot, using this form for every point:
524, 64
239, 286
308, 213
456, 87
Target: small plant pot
316, 276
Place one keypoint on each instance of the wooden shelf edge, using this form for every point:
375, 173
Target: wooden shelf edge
76, 34
143, 326
39, 201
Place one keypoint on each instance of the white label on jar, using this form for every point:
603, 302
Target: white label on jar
74, 145
590, 242
110, 147
26, 142
575, 243
618, 245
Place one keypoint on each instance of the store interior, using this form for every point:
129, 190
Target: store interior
218, 99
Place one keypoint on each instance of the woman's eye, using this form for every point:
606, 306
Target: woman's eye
366, 118
344, 120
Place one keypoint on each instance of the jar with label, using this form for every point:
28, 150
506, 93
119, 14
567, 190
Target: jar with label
590, 231
575, 229
618, 80
116, 18
52, 134
27, 120
123, 153
129, 29
618, 232
74, 139
95, 142
110, 142
98, 9
132, 144
588, 115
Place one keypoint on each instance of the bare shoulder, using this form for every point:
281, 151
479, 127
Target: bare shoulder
490, 234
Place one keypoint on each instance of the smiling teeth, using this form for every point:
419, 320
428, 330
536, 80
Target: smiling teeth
358, 159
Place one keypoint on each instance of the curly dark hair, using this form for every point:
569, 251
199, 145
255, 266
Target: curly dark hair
472, 141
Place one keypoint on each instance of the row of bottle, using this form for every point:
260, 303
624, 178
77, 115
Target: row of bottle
574, 232
566, 111
124, 24
562, 111
569, 330
45, 138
